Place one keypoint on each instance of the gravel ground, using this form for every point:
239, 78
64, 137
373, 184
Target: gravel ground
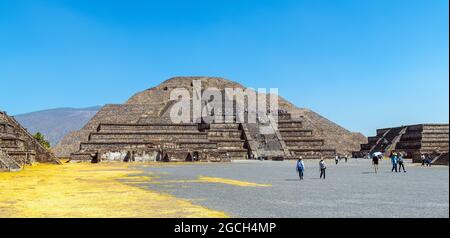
351, 189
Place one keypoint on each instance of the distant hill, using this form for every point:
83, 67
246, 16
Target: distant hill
56, 123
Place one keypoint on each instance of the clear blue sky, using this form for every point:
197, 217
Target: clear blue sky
363, 64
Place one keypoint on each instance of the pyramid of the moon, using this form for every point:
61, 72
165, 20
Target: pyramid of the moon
18, 147
141, 129
413, 140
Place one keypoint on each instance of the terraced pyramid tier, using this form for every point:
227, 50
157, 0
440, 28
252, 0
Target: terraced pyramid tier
18, 147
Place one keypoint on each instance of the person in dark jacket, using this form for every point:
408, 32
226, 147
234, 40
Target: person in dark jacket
322, 167
375, 160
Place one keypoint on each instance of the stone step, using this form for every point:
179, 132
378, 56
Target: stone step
9, 146
435, 132
222, 139
224, 134
284, 116
418, 144
146, 136
303, 141
424, 127
82, 156
110, 145
433, 148
197, 145
233, 126
290, 124
310, 147
295, 132
230, 144
147, 127
223, 130
418, 137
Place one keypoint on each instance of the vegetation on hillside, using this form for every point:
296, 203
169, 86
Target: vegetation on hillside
41, 138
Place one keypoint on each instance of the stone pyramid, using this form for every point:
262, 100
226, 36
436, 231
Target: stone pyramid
18, 147
140, 129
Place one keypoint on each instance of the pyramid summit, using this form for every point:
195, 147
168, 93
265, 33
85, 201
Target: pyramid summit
141, 129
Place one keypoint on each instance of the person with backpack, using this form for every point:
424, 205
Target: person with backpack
300, 168
322, 167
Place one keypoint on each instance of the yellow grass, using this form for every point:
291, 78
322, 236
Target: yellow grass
202, 179
88, 190
231, 182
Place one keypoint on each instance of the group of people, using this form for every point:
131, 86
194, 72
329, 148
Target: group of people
397, 161
426, 160
338, 158
301, 168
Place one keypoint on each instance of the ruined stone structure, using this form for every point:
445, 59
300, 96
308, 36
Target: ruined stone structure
18, 147
140, 130
413, 140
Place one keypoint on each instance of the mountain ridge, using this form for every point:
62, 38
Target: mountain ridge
56, 123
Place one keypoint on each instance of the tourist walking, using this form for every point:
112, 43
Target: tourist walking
394, 161
322, 167
422, 157
300, 168
428, 160
336, 159
400, 163
375, 160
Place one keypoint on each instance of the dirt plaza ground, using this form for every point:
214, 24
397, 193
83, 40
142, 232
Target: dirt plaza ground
237, 189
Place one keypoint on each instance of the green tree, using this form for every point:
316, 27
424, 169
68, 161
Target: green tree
39, 137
